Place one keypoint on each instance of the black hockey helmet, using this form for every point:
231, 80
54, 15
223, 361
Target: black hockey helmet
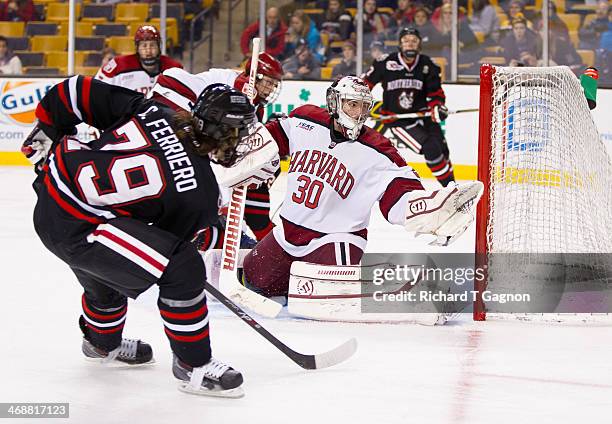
221, 116
409, 53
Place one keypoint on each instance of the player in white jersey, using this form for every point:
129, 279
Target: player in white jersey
178, 89
139, 71
339, 170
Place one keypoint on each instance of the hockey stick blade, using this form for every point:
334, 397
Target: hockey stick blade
309, 362
253, 301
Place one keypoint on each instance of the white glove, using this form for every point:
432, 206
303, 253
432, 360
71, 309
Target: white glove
36, 147
445, 213
259, 161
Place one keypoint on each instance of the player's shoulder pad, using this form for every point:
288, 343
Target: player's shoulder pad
375, 140
121, 64
312, 113
167, 63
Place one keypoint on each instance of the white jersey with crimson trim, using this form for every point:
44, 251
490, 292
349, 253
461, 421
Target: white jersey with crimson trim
182, 88
127, 71
332, 186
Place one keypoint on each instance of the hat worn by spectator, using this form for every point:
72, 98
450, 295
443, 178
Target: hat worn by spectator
519, 19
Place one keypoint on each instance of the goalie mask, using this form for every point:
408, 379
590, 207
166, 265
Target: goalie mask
349, 102
221, 117
269, 78
409, 43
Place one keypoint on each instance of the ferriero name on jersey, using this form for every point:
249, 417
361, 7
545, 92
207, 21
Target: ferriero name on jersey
178, 161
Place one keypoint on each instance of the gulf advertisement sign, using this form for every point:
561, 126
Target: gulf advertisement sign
18, 100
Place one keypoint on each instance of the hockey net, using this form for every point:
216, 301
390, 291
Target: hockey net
545, 218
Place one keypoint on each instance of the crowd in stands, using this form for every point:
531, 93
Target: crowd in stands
320, 36
33, 33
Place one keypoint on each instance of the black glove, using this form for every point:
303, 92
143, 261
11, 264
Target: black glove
439, 113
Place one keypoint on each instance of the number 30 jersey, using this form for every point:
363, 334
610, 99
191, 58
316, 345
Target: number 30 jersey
333, 184
137, 168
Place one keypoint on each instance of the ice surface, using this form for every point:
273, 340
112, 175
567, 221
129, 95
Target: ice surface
466, 372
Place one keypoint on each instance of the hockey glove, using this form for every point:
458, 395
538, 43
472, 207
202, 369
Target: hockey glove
259, 161
36, 147
445, 213
439, 113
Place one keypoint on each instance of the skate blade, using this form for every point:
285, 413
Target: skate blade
118, 364
230, 393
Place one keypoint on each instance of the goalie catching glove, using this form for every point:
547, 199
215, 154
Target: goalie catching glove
445, 213
260, 160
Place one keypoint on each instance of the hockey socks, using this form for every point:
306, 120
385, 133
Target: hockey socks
186, 325
442, 169
103, 327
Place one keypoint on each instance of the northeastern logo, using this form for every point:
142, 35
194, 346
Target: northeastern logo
305, 287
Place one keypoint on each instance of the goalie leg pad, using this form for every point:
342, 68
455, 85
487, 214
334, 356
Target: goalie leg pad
335, 293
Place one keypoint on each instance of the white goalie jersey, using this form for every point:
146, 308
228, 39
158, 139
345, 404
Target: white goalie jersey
332, 187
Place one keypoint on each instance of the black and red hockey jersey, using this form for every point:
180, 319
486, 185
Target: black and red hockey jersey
137, 168
406, 88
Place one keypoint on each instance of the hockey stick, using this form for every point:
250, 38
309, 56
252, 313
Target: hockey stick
422, 114
228, 282
309, 362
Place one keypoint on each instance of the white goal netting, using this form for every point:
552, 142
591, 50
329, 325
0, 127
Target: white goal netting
550, 188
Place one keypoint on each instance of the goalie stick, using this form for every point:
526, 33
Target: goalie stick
228, 283
422, 114
309, 362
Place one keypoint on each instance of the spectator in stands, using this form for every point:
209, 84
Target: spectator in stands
348, 64
516, 8
377, 50
302, 29
485, 20
303, 65
556, 26
590, 35
375, 24
404, 14
606, 37
521, 46
10, 64
435, 16
337, 23
468, 44
275, 34
561, 51
430, 37
18, 10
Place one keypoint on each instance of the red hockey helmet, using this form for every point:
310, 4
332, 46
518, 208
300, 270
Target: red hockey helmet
148, 33
269, 77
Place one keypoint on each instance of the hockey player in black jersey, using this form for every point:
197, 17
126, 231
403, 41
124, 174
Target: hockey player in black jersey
411, 83
120, 210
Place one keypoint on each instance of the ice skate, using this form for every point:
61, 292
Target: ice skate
130, 352
212, 379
